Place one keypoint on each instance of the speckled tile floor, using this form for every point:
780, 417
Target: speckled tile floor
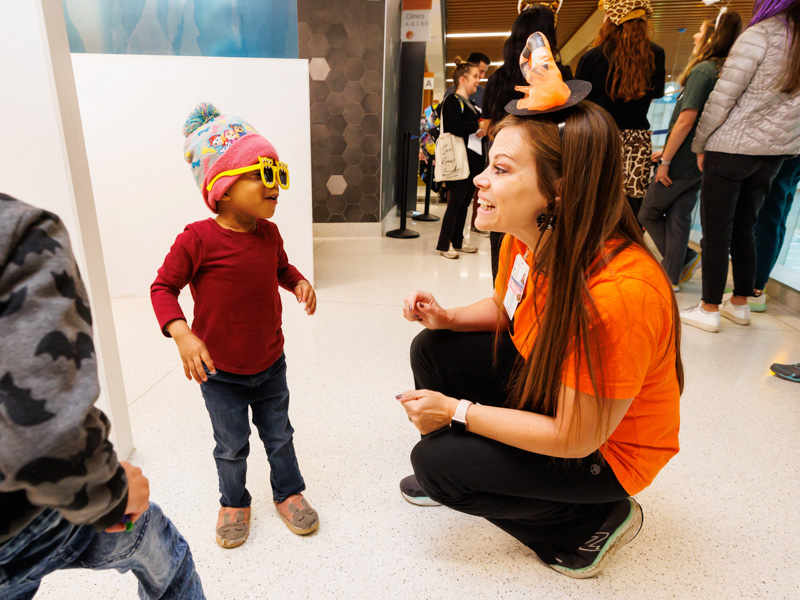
720, 520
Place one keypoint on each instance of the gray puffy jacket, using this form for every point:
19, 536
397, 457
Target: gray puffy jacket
747, 113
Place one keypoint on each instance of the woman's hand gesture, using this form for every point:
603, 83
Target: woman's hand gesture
428, 410
423, 308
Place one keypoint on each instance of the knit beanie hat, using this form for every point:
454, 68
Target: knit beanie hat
620, 11
216, 143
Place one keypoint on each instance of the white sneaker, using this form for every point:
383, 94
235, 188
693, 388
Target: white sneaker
697, 317
734, 312
448, 253
758, 303
676, 288
466, 248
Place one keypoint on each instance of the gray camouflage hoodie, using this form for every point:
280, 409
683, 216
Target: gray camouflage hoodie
54, 448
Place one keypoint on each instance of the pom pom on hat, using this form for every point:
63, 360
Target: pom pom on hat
202, 113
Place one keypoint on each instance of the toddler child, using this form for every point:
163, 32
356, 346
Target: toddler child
234, 264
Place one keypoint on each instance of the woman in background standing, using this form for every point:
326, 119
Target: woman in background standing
460, 117
627, 72
673, 191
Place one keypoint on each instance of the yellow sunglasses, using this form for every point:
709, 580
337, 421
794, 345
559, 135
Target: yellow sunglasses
272, 172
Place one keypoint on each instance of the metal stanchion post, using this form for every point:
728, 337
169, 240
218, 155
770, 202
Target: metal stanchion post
427, 216
403, 232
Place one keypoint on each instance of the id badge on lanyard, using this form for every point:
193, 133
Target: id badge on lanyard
516, 286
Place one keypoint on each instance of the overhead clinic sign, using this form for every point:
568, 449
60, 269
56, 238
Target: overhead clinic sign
416, 18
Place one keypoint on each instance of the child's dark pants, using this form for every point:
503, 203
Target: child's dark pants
228, 397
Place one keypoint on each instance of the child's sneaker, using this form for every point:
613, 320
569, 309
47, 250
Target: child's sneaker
411, 491
758, 303
696, 316
298, 515
621, 526
233, 526
736, 313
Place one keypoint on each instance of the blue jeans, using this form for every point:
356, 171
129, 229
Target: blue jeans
771, 224
228, 397
155, 551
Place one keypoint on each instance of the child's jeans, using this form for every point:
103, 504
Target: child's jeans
154, 551
227, 397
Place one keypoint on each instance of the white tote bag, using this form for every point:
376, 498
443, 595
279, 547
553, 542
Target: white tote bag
451, 159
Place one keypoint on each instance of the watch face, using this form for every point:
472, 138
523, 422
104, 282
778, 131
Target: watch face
458, 426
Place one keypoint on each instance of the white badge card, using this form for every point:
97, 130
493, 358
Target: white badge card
516, 286
510, 303
520, 270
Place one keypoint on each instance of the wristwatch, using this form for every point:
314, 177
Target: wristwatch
459, 421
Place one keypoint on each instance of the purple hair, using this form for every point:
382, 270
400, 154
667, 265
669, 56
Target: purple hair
764, 9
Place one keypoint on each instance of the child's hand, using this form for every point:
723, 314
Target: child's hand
138, 496
192, 350
305, 294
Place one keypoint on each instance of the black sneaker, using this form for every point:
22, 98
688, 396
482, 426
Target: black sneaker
621, 526
411, 491
787, 372
478, 232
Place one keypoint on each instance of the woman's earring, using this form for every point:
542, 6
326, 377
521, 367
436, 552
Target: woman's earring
546, 221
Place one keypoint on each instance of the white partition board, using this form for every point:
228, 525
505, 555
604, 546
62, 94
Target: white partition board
133, 108
32, 169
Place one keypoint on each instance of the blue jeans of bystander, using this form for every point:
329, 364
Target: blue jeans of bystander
154, 551
771, 224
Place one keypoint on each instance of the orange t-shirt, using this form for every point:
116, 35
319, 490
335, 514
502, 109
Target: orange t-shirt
634, 301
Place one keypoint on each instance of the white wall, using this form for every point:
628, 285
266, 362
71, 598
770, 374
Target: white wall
133, 108
32, 165
46, 166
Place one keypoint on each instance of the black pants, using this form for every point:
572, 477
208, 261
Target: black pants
459, 196
548, 504
734, 187
666, 214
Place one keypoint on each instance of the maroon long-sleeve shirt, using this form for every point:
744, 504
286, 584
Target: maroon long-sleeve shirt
234, 279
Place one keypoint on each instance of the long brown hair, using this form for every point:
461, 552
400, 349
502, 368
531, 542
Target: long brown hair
791, 81
719, 45
631, 60
592, 211
711, 26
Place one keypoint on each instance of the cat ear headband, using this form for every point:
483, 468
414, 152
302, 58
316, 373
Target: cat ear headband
554, 5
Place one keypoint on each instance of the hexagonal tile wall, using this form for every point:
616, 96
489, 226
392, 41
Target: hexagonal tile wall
318, 69
344, 42
336, 185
